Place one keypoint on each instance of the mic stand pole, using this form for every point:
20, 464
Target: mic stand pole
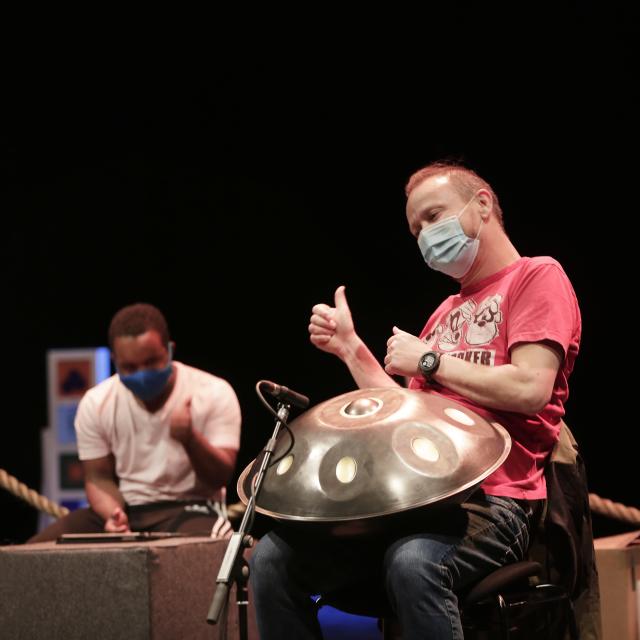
234, 567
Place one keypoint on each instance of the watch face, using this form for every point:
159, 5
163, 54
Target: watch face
428, 360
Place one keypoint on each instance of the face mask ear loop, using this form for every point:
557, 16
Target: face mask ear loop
464, 209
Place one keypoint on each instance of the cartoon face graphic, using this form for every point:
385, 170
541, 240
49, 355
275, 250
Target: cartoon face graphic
431, 338
482, 327
450, 338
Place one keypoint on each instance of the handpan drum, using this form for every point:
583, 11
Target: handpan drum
363, 456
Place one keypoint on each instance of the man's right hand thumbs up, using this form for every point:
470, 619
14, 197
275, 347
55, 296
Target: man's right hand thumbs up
330, 328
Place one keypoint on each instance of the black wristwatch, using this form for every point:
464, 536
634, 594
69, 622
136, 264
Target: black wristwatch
428, 364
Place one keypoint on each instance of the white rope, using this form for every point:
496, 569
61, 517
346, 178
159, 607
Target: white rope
615, 510
13, 485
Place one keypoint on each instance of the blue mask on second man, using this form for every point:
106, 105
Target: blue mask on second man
148, 384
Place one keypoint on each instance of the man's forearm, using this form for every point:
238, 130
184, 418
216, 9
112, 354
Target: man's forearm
507, 387
104, 496
212, 465
364, 368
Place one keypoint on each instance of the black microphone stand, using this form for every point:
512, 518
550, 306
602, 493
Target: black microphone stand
234, 567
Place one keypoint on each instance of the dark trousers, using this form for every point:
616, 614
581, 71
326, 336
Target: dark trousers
195, 517
420, 571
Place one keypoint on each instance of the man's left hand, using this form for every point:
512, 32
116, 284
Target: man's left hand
403, 353
180, 426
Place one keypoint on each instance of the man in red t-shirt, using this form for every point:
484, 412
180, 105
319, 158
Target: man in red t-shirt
504, 346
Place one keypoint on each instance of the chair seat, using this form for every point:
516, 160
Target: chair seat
544, 611
507, 577
504, 602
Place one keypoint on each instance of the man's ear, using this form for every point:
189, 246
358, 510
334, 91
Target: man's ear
485, 200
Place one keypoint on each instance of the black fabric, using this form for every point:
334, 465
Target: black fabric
564, 544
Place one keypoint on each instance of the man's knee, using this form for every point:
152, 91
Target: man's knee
79, 521
267, 554
272, 560
413, 561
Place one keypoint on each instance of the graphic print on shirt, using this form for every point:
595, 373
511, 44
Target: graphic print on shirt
451, 333
469, 324
483, 325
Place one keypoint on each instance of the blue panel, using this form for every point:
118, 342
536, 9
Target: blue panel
337, 625
72, 505
65, 415
102, 363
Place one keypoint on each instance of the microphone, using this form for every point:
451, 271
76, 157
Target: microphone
285, 394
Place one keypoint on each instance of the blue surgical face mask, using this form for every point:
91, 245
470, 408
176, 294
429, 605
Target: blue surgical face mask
447, 248
148, 384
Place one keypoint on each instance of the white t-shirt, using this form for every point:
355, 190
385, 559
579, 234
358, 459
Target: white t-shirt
151, 465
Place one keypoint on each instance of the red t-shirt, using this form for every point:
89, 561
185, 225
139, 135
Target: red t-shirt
529, 301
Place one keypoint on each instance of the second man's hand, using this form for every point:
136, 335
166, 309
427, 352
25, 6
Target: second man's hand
180, 426
117, 522
222, 529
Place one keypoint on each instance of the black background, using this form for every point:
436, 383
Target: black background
237, 185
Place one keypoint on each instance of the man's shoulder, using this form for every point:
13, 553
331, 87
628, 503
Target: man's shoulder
540, 261
539, 266
97, 401
546, 274
100, 392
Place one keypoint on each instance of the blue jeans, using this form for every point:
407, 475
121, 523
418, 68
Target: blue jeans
422, 569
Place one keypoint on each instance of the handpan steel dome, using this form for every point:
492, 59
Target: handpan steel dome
371, 453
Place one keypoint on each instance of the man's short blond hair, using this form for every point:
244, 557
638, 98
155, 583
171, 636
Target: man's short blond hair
465, 181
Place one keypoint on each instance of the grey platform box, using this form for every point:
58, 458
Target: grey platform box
155, 590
